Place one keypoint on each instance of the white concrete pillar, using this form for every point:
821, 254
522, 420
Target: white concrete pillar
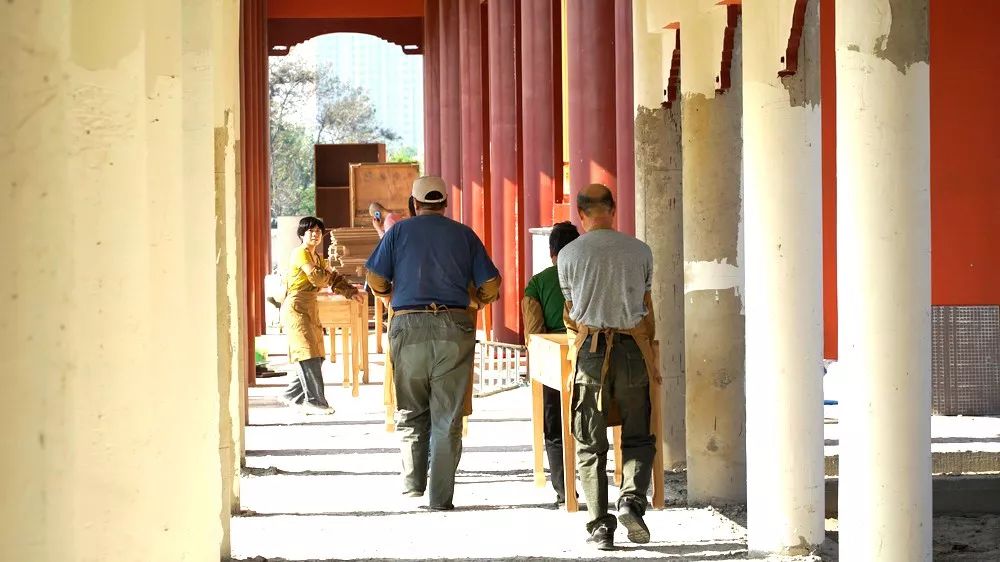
883, 278
658, 220
231, 321
712, 105
109, 283
784, 277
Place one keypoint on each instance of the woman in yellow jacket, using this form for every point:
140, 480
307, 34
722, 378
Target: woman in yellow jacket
307, 274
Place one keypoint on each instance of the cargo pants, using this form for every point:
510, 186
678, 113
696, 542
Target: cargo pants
626, 383
432, 354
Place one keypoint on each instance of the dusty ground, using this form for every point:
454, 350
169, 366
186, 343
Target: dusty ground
327, 488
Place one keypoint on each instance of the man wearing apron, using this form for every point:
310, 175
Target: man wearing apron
606, 278
427, 264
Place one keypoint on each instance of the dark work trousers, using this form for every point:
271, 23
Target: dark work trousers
552, 428
308, 383
432, 356
627, 384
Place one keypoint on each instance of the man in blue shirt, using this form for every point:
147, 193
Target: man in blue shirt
437, 273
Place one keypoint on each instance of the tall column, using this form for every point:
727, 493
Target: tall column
658, 183
432, 90
255, 157
883, 278
111, 243
229, 240
473, 146
590, 34
541, 93
784, 276
713, 275
449, 48
504, 163
624, 117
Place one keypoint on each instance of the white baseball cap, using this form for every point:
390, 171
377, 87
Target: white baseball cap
424, 185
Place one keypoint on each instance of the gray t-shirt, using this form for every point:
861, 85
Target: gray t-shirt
606, 274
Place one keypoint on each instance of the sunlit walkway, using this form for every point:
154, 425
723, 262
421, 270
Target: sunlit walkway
327, 488
324, 488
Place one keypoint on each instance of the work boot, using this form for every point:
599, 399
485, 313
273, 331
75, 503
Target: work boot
628, 515
602, 538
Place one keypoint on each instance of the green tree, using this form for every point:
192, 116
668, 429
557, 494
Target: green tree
343, 114
402, 154
346, 113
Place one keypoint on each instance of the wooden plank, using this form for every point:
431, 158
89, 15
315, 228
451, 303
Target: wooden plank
379, 311
538, 431
345, 345
656, 426
569, 448
363, 335
616, 446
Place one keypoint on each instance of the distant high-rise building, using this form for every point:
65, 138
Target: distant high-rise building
394, 80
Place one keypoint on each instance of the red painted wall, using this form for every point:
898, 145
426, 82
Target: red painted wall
828, 94
965, 156
344, 8
965, 153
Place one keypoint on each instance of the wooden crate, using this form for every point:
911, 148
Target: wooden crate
386, 183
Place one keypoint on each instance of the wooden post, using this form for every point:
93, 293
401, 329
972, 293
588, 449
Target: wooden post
538, 430
379, 327
655, 423
345, 352
616, 446
569, 443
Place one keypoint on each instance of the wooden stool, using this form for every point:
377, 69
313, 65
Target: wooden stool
336, 312
549, 365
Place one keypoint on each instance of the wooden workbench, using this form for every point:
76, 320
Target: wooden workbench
549, 365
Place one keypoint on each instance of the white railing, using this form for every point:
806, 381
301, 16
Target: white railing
499, 367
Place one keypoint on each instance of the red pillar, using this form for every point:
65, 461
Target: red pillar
625, 117
432, 87
255, 173
541, 102
451, 104
504, 164
590, 34
473, 116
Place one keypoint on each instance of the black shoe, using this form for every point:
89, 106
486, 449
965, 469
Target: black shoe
602, 538
414, 493
628, 516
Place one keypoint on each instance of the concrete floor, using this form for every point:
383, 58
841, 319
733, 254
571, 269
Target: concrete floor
327, 488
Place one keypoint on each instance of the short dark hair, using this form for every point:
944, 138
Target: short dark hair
410, 207
436, 206
309, 223
586, 204
562, 234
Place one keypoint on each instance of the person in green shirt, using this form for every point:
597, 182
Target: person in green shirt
542, 310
